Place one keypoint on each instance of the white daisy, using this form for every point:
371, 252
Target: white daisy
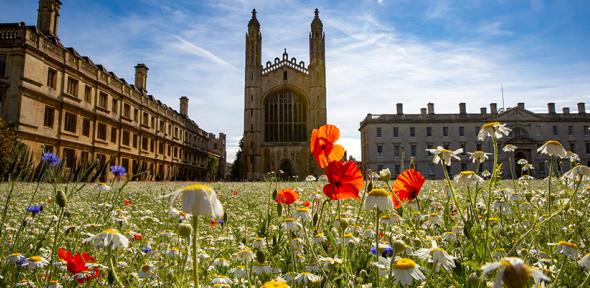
478, 156
467, 178
552, 148
509, 148
199, 200
259, 243
239, 272
444, 155
513, 272
110, 238
568, 248
319, 238
378, 198
348, 239
406, 271
308, 278
493, 130
291, 225
585, 261
221, 279
302, 213
35, 262
438, 256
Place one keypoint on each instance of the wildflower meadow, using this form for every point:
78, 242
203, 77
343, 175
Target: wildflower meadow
340, 229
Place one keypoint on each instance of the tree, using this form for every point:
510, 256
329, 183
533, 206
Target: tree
236, 168
9, 145
212, 168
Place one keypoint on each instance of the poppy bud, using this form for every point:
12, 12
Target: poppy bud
61, 198
185, 230
473, 279
343, 224
398, 246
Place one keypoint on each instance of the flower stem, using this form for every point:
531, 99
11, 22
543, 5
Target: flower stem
377, 246
195, 256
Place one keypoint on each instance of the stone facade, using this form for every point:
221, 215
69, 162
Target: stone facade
64, 103
392, 140
284, 101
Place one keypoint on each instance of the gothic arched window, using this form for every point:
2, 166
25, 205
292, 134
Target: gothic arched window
285, 117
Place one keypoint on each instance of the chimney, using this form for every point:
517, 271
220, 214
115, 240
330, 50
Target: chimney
400, 108
462, 108
141, 77
566, 110
184, 106
520, 105
423, 111
581, 108
551, 108
430, 108
493, 108
48, 17
483, 111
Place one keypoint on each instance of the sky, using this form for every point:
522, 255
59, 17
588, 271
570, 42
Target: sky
378, 52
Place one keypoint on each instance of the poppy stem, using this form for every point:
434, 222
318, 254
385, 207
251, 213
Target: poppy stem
377, 246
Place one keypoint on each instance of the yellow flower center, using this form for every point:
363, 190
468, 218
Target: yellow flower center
348, 235
467, 173
302, 209
379, 193
438, 249
445, 151
275, 284
111, 231
53, 282
319, 235
290, 219
36, 259
568, 244
197, 187
222, 276
241, 267
404, 264
505, 263
553, 142
15, 254
490, 125
146, 268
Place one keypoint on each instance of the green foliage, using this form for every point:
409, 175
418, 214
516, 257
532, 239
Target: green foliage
212, 168
237, 171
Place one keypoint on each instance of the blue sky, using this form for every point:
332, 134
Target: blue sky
378, 52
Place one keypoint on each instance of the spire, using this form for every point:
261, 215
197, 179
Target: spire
254, 22
316, 24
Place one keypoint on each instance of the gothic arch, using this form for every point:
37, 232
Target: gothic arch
285, 115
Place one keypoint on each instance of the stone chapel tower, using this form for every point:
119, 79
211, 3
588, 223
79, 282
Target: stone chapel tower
284, 100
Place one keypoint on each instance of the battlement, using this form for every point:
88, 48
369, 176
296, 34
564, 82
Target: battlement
278, 63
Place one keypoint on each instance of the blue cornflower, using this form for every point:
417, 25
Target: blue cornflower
118, 170
35, 209
220, 222
51, 159
387, 250
147, 250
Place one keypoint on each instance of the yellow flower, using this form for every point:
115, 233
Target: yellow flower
278, 283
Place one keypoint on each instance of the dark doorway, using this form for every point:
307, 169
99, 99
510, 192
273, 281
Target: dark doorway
287, 169
517, 156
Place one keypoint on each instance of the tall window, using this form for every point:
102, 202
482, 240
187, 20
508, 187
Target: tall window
379, 132
115, 106
570, 130
379, 151
72, 86
413, 150
52, 78
88, 94
395, 132
113, 135
2, 65
101, 131
86, 127
134, 140
285, 117
103, 99
125, 140
412, 131
461, 131
396, 150
70, 122
69, 156
126, 110
428, 131
49, 117
445, 131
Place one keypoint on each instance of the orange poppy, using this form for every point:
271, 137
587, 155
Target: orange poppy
345, 180
407, 186
322, 145
287, 196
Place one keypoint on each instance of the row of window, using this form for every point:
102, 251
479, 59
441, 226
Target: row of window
103, 103
70, 125
518, 131
412, 130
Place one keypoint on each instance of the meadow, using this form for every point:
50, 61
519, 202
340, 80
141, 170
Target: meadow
469, 230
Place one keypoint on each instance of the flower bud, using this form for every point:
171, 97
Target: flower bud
61, 198
185, 230
385, 175
473, 279
398, 246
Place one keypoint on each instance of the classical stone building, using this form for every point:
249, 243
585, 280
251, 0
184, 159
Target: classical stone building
392, 140
284, 100
64, 103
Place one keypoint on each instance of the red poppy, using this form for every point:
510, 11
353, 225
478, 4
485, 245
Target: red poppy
306, 204
235, 193
345, 180
322, 145
287, 196
136, 237
213, 223
126, 202
407, 186
76, 264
